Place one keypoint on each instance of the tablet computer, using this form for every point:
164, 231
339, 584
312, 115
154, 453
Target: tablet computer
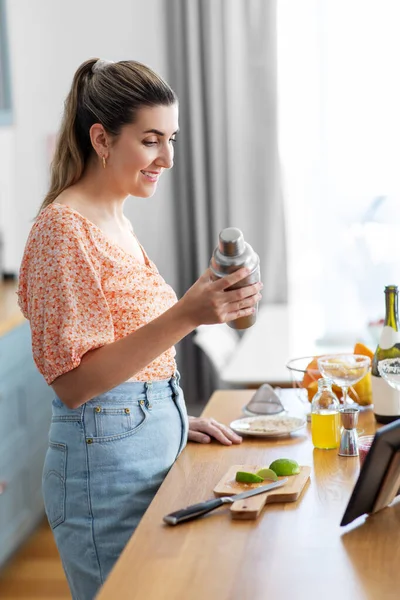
379, 480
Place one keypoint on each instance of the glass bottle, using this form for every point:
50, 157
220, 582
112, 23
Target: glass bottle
386, 399
325, 417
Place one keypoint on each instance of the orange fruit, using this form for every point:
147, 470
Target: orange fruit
361, 392
360, 348
312, 390
312, 373
337, 390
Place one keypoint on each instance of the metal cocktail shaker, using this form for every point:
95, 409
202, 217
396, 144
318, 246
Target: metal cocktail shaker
231, 254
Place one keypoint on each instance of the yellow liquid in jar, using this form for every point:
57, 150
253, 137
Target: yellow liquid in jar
325, 429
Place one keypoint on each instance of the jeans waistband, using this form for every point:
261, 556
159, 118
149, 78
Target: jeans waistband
125, 393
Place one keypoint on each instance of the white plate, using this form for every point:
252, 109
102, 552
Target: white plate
268, 426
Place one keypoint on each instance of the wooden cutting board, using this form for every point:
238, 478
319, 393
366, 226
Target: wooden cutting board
250, 508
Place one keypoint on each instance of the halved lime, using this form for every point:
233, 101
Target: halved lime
285, 466
267, 474
244, 477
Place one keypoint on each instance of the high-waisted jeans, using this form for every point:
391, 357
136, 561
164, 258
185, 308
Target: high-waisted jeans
105, 462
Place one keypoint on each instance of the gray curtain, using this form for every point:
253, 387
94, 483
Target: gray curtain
222, 57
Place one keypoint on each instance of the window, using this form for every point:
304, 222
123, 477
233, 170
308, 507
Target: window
339, 97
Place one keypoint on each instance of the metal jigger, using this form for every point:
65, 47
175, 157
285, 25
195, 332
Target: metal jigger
349, 439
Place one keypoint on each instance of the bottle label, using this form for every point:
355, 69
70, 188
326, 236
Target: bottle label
389, 338
385, 398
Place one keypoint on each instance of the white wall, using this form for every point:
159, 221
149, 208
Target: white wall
7, 196
48, 40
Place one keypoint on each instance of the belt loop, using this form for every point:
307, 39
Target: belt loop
175, 383
149, 390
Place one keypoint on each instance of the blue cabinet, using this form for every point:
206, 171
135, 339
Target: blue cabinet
25, 412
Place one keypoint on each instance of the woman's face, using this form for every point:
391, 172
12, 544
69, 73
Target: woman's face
139, 155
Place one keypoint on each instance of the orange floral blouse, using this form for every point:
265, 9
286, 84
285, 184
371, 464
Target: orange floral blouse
81, 291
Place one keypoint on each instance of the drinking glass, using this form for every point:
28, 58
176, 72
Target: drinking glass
364, 445
345, 370
389, 369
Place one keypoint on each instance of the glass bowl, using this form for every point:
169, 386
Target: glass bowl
364, 445
297, 368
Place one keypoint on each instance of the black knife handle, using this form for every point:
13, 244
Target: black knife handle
196, 510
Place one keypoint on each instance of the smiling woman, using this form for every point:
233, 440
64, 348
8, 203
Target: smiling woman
104, 322
94, 121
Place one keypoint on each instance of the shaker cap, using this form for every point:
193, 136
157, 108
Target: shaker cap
231, 242
232, 253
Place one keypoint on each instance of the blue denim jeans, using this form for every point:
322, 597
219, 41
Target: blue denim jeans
105, 462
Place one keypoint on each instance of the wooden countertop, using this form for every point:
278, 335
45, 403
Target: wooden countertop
10, 313
294, 550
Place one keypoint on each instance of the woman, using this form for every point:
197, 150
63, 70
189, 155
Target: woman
104, 322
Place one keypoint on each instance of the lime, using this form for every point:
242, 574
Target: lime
267, 474
285, 466
244, 477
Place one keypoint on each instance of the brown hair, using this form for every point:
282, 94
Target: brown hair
102, 92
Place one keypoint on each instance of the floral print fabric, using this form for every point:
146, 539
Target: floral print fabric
80, 291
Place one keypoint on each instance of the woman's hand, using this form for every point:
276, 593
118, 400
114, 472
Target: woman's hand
208, 302
202, 430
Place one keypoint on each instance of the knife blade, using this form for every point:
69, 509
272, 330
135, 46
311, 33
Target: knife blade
196, 510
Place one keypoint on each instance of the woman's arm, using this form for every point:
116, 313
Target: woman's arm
205, 302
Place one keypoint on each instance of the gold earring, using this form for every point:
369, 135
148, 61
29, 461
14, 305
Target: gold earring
104, 162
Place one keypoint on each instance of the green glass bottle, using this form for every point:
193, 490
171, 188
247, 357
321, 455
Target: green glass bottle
385, 398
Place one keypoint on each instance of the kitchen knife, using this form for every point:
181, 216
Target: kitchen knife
196, 510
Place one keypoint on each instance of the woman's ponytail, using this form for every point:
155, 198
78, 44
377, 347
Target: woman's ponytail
69, 155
